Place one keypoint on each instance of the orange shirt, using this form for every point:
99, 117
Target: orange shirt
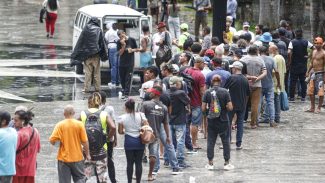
70, 133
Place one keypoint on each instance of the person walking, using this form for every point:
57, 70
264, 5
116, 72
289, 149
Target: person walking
145, 50
173, 19
100, 129
28, 146
8, 146
201, 16
130, 124
231, 10
217, 63
218, 100
89, 50
72, 138
239, 92
51, 7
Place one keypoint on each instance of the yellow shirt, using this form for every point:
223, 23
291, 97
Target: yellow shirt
281, 67
230, 35
70, 133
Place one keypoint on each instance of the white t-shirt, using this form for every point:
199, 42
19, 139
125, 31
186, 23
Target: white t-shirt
155, 39
111, 37
132, 123
241, 32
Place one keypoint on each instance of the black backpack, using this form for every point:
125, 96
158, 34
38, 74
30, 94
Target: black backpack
189, 40
188, 79
96, 136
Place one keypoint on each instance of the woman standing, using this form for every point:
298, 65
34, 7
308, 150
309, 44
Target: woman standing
130, 124
28, 146
52, 7
173, 19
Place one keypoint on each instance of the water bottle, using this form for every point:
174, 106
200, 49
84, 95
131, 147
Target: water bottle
120, 95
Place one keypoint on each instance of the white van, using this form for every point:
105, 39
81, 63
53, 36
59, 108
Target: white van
129, 20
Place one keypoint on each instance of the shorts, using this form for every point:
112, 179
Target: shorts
153, 148
96, 167
196, 116
316, 85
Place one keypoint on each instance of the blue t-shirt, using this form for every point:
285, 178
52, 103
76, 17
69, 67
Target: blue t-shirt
221, 72
8, 144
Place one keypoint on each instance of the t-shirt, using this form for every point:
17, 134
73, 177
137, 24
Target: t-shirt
178, 100
199, 81
156, 113
199, 5
255, 66
224, 98
206, 42
127, 59
281, 67
26, 159
132, 123
70, 133
239, 89
8, 143
111, 38
182, 38
221, 72
269, 62
110, 111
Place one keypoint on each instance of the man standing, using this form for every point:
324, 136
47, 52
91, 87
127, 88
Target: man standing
126, 48
217, 63
297, 63
183, 37
246, 30
196, 98
218, 100
206, 40
256, 71
112, 38
8, 143
258, 32
316, 84
239, 92
72, 136
157, 114
90, 49
201, 16
231, 10
267, 87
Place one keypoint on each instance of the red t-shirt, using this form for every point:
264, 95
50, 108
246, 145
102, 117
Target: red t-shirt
199, 81
26, 159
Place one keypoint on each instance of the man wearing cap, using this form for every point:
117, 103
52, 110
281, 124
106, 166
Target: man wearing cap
157, 114
169, 70
217, 63
183, 37
316, 83
266, 38
160, 38
297, 63
231, 10
196, 97
239, 92
177, 111
206, 44
229, 19
246, 30
201, 16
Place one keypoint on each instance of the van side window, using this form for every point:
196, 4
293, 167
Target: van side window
81, 20
77, 19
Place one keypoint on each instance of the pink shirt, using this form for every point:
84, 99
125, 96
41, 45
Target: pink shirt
199, 81
26, 159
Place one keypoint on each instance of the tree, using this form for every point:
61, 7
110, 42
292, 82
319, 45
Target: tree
219, 18
269, 13
317, 18
293, 11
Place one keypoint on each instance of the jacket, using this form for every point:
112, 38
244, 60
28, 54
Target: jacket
91, 41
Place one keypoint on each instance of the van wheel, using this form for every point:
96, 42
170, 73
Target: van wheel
79, 69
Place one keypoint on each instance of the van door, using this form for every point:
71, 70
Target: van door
76, 29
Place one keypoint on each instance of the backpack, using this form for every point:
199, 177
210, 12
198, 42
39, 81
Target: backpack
189, 40
215, 107
189, 81
96, 136
164, 53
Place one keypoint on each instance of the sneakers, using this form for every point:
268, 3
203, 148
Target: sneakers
239, 147
176, 171
194, 151
154, 172
166, 164
228, 166
273, 124
291, 99
111, 85
183, 165
303, 99
209, 167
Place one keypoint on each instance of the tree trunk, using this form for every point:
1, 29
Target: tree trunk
269, 13
294, 13
317, 18
219, 18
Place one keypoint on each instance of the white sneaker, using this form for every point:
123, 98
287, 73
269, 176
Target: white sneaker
228, 167
110, 85
209, 167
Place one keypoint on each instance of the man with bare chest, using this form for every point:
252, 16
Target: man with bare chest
317, 75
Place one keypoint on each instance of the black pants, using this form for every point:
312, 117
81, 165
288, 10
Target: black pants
215, 128
293, 83
126, 76
134, 157
110, 163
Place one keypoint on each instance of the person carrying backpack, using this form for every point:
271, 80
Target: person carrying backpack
219, 103
100, 130
185, 37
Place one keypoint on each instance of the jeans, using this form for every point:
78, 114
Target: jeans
126, 77
215, 128
277, 107
50, 23
188, 140
293, 83
6, 179
240, 125
169, 150
110, 163
269, 107
178, 133
114, 63
68, 170
255, 97
134, 157
174, 29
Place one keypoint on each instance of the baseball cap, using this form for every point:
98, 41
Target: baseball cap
246, 24
209, 53
206, 59
184, 26
175, 68
174, 79
237, 64
161, 25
